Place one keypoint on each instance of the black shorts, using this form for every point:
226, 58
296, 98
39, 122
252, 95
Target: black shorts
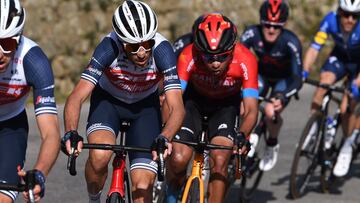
222, 116
107, 113
13, 144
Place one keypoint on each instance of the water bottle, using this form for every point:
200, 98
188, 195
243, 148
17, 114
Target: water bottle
330, 132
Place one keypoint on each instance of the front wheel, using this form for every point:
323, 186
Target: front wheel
115, 198
194, 192
252, 174
306, 156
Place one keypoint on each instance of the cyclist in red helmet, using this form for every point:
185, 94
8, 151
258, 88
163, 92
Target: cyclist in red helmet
214, 71
280, 67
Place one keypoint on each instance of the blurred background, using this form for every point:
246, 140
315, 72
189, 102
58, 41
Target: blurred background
69, 30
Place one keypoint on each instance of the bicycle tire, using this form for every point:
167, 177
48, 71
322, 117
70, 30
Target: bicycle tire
194, 192
115, 198
308, 145
159, 192
127, 188
248, 188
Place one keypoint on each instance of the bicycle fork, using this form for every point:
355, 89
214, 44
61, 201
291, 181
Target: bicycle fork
117, 181
196, 173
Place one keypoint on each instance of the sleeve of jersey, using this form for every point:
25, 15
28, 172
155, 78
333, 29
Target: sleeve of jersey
39, 75
247, 37
182, 68
296, 67
250, 77
322, 34
104, 54
166, 61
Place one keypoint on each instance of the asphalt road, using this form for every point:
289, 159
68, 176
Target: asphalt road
61, 187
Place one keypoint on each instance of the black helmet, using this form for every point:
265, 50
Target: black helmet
274, 12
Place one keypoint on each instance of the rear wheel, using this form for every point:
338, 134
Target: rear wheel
306, 156
194, 192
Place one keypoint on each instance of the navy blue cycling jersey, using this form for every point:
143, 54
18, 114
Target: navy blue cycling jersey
279, 60
347, 47
29, 68
119, 76
181, 42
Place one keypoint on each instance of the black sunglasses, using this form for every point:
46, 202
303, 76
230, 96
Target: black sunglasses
269, 25
209, 58
347, 14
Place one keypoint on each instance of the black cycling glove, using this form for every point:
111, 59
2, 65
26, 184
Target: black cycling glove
74, 138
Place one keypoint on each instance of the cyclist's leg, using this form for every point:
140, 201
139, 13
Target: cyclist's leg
221, 131
101, 128
181, 155
351, 129
13, 143
332, 71
145, 126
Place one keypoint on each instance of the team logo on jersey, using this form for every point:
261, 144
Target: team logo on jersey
93, 70
43, 100
320, 37
244, 68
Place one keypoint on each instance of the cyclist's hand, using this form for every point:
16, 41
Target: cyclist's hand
305, 75
168, 147
39, 189
277, 104
69, 141
241, 144
355, 90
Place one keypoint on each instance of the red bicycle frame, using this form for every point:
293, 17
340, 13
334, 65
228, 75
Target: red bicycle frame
117, 181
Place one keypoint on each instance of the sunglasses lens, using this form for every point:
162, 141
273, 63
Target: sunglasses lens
268, 26
211, 58
8, 44
134, 48
348, 14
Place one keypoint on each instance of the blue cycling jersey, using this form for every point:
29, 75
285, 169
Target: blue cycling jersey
347, 46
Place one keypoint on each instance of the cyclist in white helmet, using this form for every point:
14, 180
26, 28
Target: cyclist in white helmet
344, 28
23, 65
122, 78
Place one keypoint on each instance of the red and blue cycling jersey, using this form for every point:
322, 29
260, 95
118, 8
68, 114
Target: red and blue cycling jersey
347, 46
241, 74
30, 68
119, 76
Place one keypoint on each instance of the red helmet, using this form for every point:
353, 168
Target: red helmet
274, 12
215, 34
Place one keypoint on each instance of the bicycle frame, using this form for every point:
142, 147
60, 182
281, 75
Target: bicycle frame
196, 172
198, 162
117, 181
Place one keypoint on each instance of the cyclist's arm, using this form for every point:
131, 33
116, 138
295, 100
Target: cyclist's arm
318, 42
176, 112
250, 93
249, 116
104, 54
310, 58
74, 102
39, 76
50, 142
166, 61
295, 50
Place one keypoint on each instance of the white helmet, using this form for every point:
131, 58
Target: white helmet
12, 18
134, 22
350, 5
